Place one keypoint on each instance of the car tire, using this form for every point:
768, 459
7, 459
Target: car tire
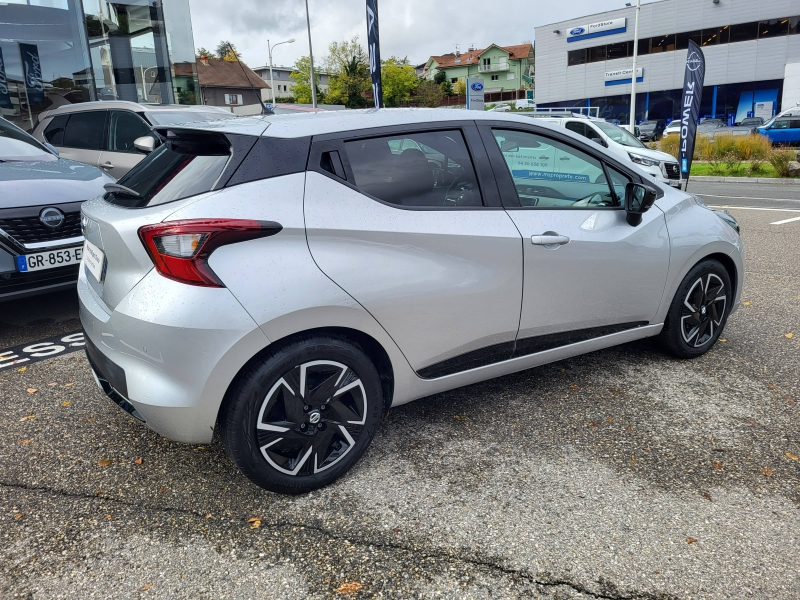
303, 415
699, 311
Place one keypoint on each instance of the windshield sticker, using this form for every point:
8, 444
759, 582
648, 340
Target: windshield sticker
552, 176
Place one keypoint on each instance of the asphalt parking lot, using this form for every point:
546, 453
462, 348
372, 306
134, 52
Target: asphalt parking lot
619, 474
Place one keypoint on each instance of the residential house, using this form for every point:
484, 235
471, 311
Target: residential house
507, 71
284, 84
232, 85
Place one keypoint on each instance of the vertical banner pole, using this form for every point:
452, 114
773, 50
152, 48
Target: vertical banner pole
374, 45
690, 106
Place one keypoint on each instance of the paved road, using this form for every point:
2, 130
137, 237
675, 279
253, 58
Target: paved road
748, 194
621, 474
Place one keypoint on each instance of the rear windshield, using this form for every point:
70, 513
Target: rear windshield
163, 118
177, 169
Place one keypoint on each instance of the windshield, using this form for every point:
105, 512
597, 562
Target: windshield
648, 125
176, 117
16, 145
619, 135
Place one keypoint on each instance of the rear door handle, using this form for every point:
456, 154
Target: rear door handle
107, 165
549, 240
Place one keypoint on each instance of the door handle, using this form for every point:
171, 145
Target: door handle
107, 165
549, 240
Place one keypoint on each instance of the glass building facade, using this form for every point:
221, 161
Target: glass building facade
55, 52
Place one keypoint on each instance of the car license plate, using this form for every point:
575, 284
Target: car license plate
675, 184
49, 260
94, 259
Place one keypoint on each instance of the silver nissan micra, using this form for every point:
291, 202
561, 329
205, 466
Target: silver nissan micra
288, 279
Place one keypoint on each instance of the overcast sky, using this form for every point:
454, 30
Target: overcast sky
413, 28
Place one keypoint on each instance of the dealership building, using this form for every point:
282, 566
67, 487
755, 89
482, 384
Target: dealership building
56, 52
752, 52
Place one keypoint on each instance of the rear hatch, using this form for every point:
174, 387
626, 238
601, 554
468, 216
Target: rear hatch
188, 166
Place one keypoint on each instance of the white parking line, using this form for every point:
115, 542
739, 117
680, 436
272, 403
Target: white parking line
793, 210
749, 198
786, 221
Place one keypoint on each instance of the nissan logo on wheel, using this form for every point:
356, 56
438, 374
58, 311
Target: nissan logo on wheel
577, 31
477, 86
51, 217
693, 62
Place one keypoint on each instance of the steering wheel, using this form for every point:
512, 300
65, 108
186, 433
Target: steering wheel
460, 192
589, 200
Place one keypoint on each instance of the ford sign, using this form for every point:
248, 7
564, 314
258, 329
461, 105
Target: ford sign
477, 86
577, 31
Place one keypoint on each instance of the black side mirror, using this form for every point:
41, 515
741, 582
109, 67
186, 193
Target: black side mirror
638, 200
600, 141
509, 146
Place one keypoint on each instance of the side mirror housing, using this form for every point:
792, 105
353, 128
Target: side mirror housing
145, 144
638, 200
509, 146
600, 141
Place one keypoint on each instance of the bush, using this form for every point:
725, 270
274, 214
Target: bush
733, 163
756, 166
703, 148
780, 160
670, 144
723, 146
753, 147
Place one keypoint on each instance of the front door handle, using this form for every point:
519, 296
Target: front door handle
107, 165
549, 239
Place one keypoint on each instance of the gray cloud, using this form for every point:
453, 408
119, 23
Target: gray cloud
412, 28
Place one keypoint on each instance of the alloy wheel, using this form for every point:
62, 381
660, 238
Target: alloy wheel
703, 310
311, 418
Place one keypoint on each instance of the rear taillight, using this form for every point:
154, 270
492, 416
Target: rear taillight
180, 249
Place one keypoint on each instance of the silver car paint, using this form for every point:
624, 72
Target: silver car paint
442, 282
225, 330
608, 273
117, 164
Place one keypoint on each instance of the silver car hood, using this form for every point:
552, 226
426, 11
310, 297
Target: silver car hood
49, 182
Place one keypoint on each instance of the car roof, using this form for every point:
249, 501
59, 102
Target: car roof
126, 105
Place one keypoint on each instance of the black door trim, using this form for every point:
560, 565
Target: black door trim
522, 347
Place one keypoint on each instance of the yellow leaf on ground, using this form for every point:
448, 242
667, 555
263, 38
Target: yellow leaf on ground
66, 403
691, 540
32, 390
109, 517
104, 463
68, 384
747, 304
208, 516
27, 418
26, 442
255, 523
351, 587
766, 472
722, 340
139, 460
789, 335
146, 587
22, 369
573, 387
52, 383
788, 455
18, 516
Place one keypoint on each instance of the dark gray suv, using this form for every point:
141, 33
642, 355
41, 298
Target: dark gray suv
40, 202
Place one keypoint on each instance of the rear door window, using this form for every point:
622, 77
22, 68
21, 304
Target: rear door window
86, 130
422, 169
177, 169
54, 132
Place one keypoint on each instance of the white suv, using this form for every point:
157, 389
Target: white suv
624, 146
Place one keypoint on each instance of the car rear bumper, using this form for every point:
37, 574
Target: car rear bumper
168, 352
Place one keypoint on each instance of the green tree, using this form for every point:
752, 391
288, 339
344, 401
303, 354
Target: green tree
429, 93
447, 88
460, 87
301, 75
399, 80
201, 51
440, 77
224, 51
348, 68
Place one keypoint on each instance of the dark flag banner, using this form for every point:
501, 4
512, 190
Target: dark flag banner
5, 97
690, 107
374, 44
32, 70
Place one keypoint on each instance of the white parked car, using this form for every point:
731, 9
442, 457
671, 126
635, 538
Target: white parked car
525, 103
674, 128
624, 146
501, 107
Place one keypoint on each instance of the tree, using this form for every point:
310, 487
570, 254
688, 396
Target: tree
440, 77
201, 51
430, 93
460, 87
301, 75
447, 88
348, 69
399, 80
224, 51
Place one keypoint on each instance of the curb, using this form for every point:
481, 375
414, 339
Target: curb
769, 180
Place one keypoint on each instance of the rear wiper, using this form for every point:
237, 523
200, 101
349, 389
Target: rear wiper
121, 189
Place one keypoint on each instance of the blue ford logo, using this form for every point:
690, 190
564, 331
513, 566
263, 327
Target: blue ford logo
577, 31
477, 86
51, 217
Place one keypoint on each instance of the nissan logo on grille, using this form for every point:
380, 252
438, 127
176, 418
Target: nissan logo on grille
52, 217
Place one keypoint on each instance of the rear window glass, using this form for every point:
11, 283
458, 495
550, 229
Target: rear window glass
177, 169
86, 130
54, 132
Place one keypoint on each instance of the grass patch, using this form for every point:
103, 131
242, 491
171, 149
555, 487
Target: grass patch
744, 169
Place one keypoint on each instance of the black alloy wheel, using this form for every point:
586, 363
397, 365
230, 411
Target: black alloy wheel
699, 310
302, 416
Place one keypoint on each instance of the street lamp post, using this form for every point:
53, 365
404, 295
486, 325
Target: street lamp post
311, 60
271, 80
633, 75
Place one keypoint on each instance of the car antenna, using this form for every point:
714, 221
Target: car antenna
264, 109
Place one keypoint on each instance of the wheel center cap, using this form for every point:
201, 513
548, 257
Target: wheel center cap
314, 416
702, 310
